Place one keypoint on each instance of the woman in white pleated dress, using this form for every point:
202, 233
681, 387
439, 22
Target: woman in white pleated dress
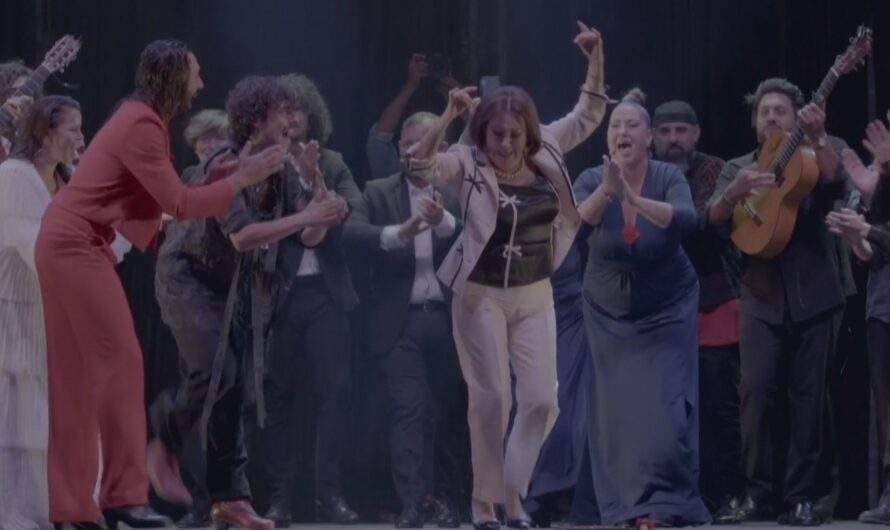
47, 144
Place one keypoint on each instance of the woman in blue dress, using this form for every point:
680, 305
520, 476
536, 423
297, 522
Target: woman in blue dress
640, 301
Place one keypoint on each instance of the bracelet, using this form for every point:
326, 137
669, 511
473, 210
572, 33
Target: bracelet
603, 97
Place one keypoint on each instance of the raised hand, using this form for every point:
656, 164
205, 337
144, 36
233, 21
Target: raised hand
413, 226
877, 142
255, 168
848, 224
459, 101
588, 39
306, 157
747, 181
613, 183
17, 106
324, 210
430, 210
812, 121
418, 69
865, 179
590, 42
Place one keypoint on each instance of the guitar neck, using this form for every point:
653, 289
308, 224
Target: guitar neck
32, 88
796, 135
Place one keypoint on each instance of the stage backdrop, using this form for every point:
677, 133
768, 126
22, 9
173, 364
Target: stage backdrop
709, 52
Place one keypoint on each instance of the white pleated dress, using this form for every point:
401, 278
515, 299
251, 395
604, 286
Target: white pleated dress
23, 391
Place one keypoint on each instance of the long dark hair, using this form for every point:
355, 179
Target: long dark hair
162, 77
43, 116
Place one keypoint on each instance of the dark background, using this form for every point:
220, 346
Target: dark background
709, 52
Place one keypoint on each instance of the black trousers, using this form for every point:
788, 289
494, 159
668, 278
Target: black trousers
308, 332
721, 439
878, 336
429, 427
194, 318
801, 349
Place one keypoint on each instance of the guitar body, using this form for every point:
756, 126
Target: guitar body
763, 223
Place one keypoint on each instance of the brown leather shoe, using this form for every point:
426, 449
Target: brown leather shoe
163, 473
238, 514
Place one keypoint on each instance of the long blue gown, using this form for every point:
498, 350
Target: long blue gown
640, 309
563, 462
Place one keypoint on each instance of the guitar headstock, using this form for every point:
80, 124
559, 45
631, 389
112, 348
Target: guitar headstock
854, 55
62, 53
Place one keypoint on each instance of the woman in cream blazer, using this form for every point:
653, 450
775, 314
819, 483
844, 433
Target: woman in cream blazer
520, 219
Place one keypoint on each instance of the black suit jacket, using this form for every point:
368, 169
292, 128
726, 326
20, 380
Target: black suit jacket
330, 252
390, 274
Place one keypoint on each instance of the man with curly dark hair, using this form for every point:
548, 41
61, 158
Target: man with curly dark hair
311, 324
198, 264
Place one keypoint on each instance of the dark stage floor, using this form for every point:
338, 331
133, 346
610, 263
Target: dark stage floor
837, 525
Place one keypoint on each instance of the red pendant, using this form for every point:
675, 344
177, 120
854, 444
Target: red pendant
630, 234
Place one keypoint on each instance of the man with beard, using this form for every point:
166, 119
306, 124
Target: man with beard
789, 306
676, 133
124, 181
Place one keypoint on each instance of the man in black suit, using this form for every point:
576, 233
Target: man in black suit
405, 231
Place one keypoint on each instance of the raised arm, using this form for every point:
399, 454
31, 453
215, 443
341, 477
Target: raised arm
588, 113
146, 156
443, 170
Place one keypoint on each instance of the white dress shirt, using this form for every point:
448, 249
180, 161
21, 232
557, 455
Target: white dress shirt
426, 284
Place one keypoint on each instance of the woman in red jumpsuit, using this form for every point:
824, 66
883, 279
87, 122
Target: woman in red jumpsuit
124, 181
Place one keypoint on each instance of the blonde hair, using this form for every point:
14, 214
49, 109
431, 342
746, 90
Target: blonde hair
205, 122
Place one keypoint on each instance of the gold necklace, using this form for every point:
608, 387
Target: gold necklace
510, 175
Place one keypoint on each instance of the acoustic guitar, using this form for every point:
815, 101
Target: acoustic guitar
764, 221
60, 56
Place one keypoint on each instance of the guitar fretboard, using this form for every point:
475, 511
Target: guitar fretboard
789, 146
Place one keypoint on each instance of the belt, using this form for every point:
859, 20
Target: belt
428, 306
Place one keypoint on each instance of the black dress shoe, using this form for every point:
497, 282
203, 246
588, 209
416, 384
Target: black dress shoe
335, 510
135, 517
802, 514
280, 515
487, 525
194, 519
879, 515
522, 524
737, 511
410, 517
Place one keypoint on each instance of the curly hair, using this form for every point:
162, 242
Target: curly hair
10, 71
162, 77
776, 85
43, 116
250, 101
309, 100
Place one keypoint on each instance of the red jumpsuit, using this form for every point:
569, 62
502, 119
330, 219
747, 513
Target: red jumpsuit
95, 380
